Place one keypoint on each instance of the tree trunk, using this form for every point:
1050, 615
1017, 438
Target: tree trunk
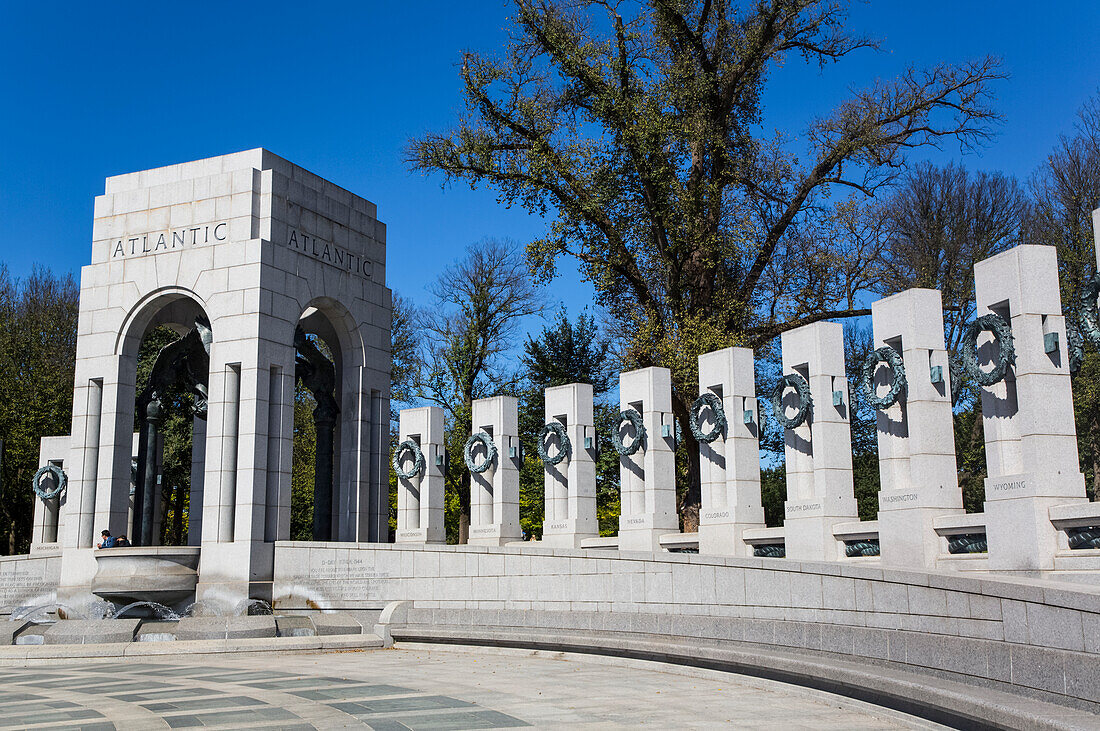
181, 496
465, 427
464, 508
1094, 444
691, 499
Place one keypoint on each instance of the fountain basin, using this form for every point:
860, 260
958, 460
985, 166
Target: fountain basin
163, 574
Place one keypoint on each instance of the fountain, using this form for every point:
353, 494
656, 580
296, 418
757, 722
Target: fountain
148, 609
165, 575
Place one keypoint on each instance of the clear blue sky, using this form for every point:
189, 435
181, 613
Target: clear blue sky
96, 89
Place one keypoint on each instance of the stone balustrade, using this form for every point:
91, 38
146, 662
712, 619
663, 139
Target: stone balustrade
1037, 519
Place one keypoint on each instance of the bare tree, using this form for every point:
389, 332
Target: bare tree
403, 352
1066, 191
480, 303
941, 221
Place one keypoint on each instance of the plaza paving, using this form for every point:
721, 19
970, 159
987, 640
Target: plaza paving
424, 689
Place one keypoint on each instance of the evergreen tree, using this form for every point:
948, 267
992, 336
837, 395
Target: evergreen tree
567, 352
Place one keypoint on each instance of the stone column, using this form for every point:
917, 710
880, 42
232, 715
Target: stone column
420, 498
198, 460
730, 465
494, 494
146, 496
648, 477
45, 533
570, 485
916, 438
230, 449
84, 490
324, 422
1030, 436
279, 437
818, 452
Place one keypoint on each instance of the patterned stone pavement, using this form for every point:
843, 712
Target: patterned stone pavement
417, 689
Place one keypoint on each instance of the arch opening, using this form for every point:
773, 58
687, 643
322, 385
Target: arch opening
328, 354
167, 346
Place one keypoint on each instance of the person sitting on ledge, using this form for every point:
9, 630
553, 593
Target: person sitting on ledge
108, 541
122, 542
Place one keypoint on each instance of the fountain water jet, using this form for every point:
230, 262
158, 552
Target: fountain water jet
158, 610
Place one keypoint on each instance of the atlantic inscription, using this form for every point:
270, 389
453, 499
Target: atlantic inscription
169, 239
329, 253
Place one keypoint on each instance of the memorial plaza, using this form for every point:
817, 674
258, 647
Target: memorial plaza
415, 688
801, 461
969, 619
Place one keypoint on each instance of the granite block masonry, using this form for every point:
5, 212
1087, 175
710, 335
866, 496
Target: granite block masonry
494, 492
570, 484
730, 465
647, 477
420, 496
819, 451
256, 247
916, 435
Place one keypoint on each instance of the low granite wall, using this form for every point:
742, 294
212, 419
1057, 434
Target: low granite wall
28, 580
1039, 639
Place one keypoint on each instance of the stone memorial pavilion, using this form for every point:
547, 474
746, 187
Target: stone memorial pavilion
270, 276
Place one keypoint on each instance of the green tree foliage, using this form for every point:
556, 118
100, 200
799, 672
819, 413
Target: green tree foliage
303, 463
38, 318
970, 457
404, 332
304, 455
773, 493
638, 129
567, 352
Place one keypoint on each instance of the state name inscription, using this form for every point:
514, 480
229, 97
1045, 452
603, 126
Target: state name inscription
1008, 486
174, 238
803, 508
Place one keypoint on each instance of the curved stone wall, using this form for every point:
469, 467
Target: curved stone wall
1035, 639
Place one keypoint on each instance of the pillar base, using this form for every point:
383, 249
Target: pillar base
494, 535
1017, 518
643, 532
568, 533
724, 539
233, 571
907, 537
78, 568
420, 535
808, 527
